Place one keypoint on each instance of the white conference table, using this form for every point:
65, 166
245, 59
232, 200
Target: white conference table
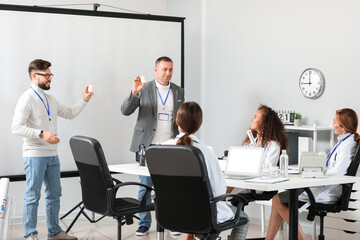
295, 182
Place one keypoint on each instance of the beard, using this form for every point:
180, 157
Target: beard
43, 86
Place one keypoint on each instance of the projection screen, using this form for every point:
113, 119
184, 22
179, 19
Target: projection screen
105, 49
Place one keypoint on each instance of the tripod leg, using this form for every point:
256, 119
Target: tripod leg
65, 215
75, 219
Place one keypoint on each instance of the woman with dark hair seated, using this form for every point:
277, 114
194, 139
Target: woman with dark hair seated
269, 133
189, 120
345, 124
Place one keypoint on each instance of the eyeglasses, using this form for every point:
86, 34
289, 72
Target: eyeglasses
45, 75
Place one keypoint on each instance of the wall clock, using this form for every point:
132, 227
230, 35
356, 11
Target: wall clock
312, 83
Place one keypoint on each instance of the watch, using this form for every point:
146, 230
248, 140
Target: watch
312, 83
41, 134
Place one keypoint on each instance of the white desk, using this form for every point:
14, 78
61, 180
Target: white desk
295, 182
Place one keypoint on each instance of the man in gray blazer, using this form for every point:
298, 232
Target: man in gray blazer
158, 102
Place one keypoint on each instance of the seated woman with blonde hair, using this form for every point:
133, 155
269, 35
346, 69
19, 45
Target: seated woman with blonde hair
345, 125
189, 119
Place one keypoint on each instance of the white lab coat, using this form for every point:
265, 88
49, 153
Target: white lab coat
339, 162
271, 155
216, 176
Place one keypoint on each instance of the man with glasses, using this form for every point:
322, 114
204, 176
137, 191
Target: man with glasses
35, 120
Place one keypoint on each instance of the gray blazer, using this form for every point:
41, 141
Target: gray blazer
146, 123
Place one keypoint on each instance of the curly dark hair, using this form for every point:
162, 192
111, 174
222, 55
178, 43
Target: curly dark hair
272, 129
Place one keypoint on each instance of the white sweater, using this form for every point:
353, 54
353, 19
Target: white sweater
31, 117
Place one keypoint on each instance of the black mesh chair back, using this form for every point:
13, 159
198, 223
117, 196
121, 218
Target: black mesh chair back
181, 187
99, 188
354, 165
184, 200
347, 188
94, 173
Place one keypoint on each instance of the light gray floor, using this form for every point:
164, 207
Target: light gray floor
106, 229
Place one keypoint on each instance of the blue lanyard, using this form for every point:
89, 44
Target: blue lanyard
167, 95
327, 162
48, 107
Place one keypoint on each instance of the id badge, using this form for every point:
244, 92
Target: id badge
163, 117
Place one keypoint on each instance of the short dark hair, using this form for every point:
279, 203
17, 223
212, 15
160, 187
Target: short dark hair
163, 58
38, 65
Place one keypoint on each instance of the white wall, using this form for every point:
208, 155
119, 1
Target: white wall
253, 52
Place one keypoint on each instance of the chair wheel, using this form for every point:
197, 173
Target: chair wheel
129, 221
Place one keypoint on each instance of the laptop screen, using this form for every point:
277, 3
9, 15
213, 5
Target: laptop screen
244, 160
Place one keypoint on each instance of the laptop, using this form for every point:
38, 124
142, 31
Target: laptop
244, 162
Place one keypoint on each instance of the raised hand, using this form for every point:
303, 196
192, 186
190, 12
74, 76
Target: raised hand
137, 86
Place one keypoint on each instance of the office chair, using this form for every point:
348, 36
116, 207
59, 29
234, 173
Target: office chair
184, 201
99, 188
321, 209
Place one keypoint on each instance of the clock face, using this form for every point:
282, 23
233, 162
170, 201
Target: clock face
312, 83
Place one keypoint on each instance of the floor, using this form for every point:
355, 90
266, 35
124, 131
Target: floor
106, 230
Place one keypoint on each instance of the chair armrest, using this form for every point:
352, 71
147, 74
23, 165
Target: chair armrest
145, 196
239, 206
240, 199
116, 180
311, 197
236, 196
121, 184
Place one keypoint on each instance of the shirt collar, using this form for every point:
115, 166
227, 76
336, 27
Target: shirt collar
192, 136
37, 89
161, 87
339, 138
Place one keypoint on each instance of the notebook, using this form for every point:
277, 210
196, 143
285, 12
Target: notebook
244, 162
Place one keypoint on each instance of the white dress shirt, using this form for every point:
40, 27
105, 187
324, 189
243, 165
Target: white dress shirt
216, 176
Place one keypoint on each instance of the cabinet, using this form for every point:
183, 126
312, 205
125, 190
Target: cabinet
314, 129
345, 225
